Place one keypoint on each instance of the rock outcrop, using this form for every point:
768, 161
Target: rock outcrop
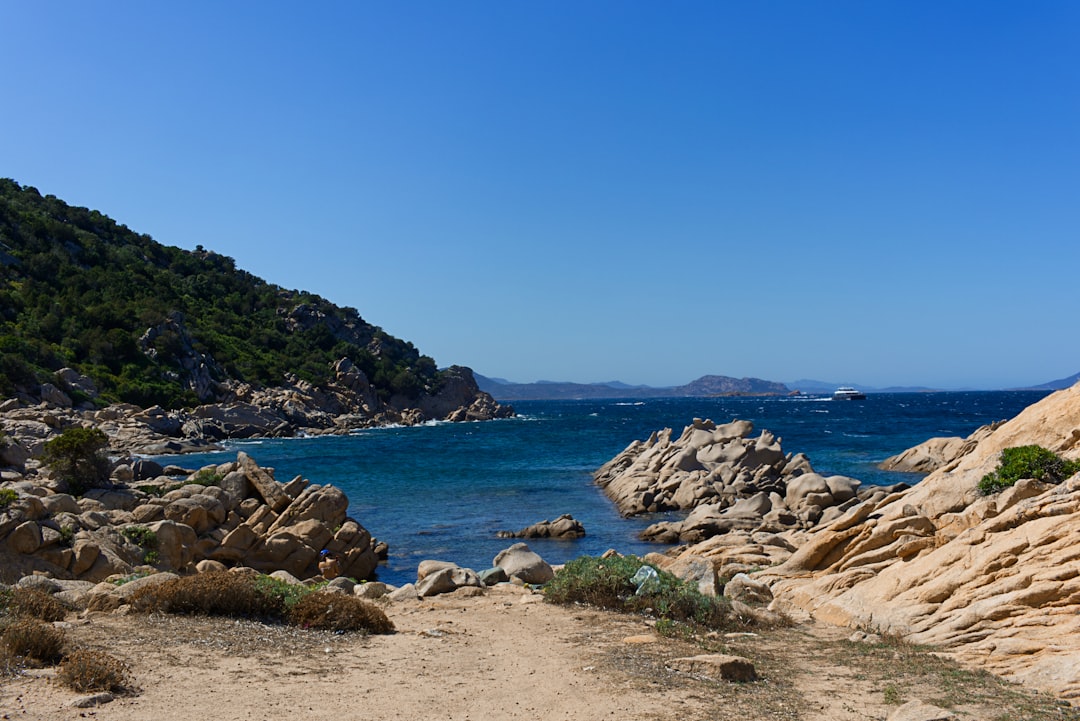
727, 479
992, 580
936, 453
565, 527
233, 514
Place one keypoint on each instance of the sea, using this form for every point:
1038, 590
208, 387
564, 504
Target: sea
444, 490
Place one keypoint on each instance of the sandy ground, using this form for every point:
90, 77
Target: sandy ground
503, 655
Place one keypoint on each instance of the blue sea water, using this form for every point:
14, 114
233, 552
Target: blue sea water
442, 491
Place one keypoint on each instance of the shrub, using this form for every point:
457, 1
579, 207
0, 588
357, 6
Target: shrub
212, 594
86, 670
67, 535
1027, 462
206, 477
31, 603
77, 457
339, 612
8, 496
30, 638
607, 583
284, 593
140, 536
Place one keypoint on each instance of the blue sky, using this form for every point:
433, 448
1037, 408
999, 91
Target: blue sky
881, 193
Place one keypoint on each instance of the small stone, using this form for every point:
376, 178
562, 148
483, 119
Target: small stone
97, 699
717, 666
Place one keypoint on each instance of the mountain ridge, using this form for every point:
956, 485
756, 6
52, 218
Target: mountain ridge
506, 390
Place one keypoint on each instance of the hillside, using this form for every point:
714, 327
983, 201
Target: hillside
150, 324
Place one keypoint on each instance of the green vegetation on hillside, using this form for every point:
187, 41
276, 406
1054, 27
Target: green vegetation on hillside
79, 290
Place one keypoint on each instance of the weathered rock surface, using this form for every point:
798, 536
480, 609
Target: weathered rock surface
248, 519
936, 453
520, 562
716, 666
564, 527
728, 480
991, 579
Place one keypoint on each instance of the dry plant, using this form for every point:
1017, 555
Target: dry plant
31, 603
339, 612
209, 594
86, 670
31, 638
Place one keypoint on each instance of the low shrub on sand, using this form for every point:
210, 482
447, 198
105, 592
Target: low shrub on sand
608, 583
210, 594
31, 603
30, 638
339, 612
229, 594
87, 670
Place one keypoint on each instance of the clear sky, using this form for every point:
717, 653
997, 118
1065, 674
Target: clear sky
880, 193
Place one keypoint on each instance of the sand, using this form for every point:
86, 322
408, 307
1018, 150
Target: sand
503, 655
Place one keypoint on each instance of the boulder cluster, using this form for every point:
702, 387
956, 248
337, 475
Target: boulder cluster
517, 564
727, 479
229, 515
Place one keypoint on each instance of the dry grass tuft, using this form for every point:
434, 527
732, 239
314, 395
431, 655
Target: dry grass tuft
32, 603
209, 594
86, 670
339, 612
31, 638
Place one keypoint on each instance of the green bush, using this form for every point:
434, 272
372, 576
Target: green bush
8, 496
85, 670
283, 593
606, 583
206, 478
77, 457
140, 535
1027, 462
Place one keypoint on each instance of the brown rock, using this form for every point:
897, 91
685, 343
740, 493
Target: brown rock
716, 666
25, 538
263, 482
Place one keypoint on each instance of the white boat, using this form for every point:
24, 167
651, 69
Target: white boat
847, 393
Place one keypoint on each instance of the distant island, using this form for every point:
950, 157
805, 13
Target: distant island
704, 387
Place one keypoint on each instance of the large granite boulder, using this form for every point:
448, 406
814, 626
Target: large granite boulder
520, 562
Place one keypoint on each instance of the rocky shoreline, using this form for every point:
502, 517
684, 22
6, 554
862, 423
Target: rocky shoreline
989, 580
295, 408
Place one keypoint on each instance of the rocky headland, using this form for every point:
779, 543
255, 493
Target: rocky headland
296, 407
991, 580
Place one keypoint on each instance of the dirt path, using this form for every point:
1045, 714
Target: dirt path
503, 655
